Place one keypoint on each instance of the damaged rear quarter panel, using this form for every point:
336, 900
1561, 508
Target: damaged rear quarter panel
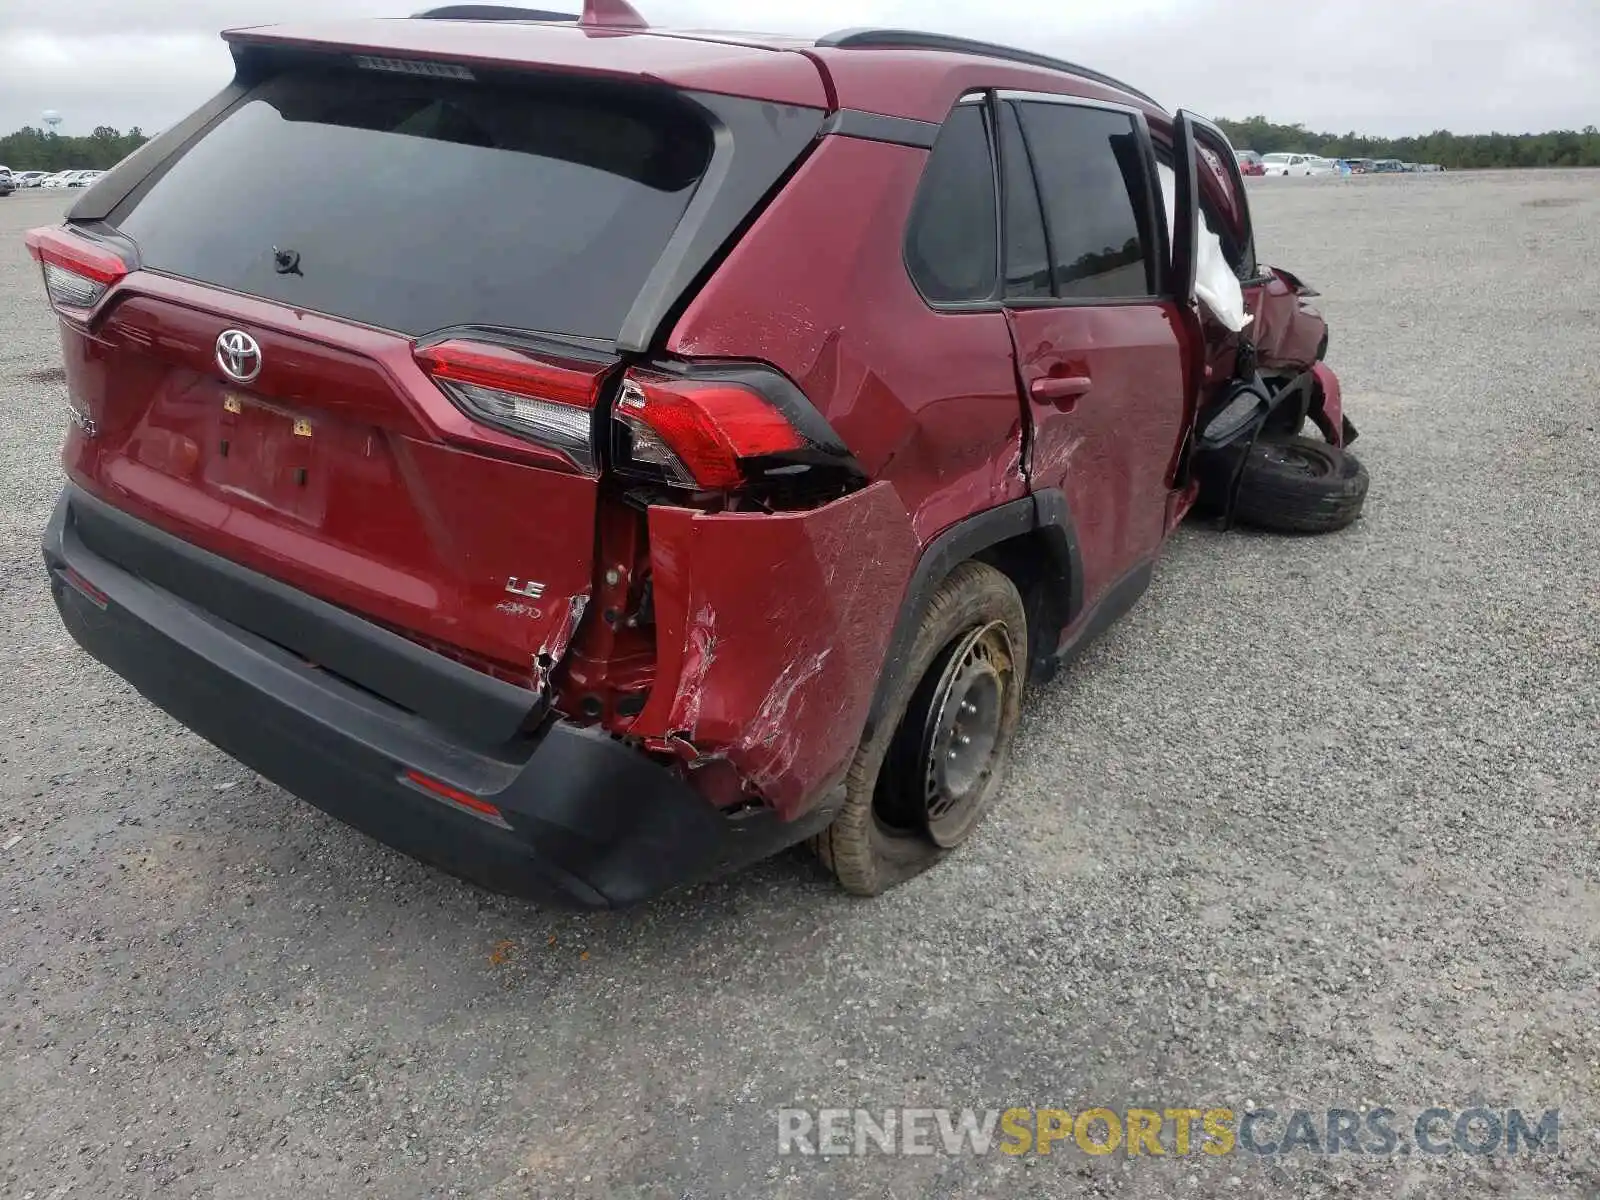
772, 629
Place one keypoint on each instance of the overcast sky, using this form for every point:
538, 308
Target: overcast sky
1375, 66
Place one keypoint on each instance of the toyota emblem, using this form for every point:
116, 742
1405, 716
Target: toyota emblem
238, 355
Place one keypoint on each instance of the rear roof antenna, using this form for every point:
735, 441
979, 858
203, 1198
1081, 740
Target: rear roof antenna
610, 14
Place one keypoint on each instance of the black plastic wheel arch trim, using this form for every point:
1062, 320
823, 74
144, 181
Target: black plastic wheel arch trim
1045, 512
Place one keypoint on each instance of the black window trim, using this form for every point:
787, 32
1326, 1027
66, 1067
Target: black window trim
1155, 206
997, 106
994, 302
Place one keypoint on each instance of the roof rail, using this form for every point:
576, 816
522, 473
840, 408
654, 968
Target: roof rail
910, 39
490, 12
597, 14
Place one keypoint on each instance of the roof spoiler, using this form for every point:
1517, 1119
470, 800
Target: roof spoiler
597, 14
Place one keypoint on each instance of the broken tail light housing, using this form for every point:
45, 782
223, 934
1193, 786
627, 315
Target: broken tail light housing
77, 271
542, 400
698, 434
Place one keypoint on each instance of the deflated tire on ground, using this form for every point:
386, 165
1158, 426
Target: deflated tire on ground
1288, 485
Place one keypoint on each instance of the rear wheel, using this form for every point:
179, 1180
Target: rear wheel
920, 785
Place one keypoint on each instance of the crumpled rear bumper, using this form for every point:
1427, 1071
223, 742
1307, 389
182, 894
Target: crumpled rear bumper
581, 818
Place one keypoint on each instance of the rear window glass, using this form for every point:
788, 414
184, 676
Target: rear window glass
951, 245
415, 204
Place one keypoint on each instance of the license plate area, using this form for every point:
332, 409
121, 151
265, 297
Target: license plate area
268, 454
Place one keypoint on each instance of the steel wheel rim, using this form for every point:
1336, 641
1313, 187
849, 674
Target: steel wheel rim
1302, 460
962, 735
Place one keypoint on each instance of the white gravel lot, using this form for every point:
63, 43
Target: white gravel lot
1314, 827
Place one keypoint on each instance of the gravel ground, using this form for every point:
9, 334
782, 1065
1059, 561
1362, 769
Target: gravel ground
1313, 827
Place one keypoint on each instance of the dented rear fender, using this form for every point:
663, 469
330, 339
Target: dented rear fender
771, 631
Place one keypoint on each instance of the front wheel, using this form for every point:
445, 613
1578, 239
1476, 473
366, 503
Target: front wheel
922, 782
1288, 484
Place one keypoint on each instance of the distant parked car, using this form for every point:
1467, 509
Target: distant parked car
1286, 164
1317, 165
71, 179
1388, 166
29, 179
7, 184
1359, 166
1249, 162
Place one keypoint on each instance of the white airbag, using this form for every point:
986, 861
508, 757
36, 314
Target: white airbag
1215, 284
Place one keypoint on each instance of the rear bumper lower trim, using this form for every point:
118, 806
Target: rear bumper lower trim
450, 694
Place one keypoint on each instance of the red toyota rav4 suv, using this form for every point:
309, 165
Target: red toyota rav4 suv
591, 458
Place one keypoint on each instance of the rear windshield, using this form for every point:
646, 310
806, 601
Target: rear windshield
414, 204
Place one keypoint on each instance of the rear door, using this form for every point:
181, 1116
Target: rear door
364, 349
1098, 336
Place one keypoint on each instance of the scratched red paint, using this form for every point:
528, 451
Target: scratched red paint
1285, 335
775, 653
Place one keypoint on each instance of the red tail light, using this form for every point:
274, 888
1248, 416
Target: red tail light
695, 433
545, 401
77, 272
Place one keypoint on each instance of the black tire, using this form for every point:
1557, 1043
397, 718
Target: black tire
876, 841
1289, 485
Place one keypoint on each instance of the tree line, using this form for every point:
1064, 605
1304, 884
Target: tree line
30, 149
1557, 148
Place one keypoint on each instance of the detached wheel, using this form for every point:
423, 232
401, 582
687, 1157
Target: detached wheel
1289, 485
920, 785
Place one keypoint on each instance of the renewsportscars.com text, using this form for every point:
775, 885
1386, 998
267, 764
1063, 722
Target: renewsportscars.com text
1166, 1131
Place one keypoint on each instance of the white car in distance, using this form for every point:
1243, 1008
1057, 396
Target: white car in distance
1287, 164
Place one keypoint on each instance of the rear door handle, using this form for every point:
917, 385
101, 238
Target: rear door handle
1063, 390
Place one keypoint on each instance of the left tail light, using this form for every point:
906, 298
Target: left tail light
698, 434
545, 401
77, 272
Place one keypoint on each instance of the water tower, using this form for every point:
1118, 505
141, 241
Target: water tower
52, 118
